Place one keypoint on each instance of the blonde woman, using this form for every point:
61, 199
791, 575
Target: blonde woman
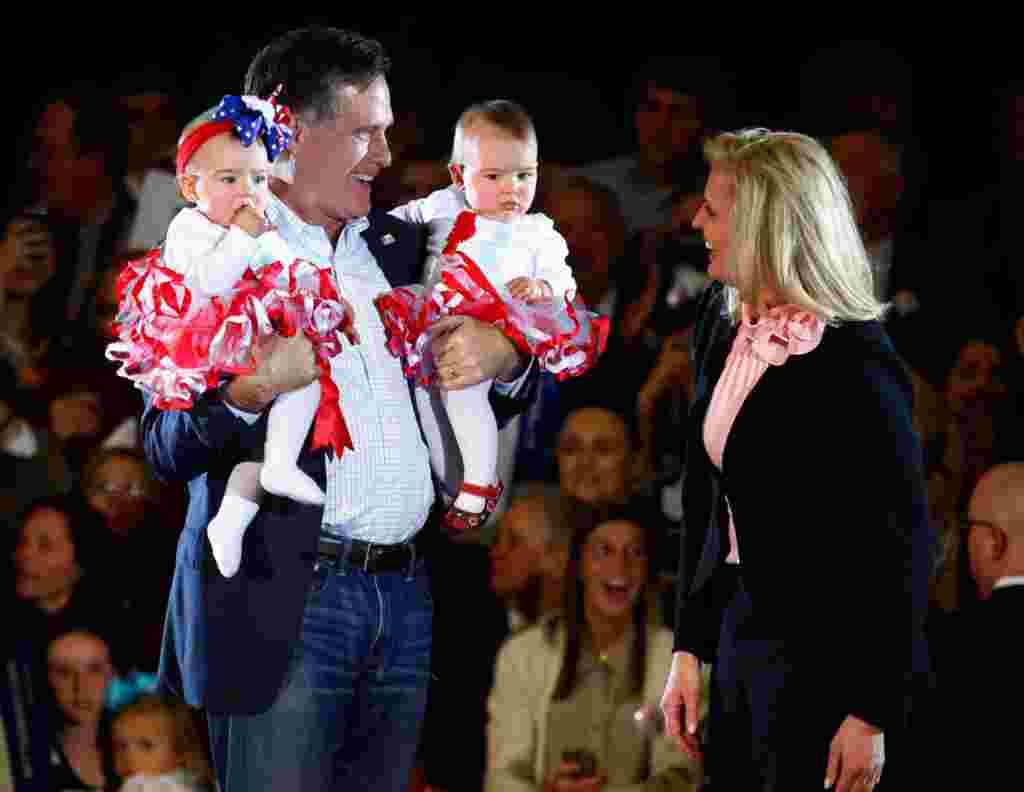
805, 553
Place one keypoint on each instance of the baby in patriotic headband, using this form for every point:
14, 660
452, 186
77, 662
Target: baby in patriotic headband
191, 313
492, 260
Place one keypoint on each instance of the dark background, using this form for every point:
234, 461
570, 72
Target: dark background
571, 71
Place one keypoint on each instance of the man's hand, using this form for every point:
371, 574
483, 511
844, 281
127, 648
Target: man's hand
282, 365
468, 352
682, 697
249, 220
855, 757
563, 779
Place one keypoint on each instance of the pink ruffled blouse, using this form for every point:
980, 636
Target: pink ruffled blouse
767, 340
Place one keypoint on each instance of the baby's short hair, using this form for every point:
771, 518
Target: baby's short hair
506, 115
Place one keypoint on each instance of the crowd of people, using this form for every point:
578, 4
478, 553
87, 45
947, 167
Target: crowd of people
552, 624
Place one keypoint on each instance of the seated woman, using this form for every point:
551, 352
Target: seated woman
61, 575
79, 668
571, 694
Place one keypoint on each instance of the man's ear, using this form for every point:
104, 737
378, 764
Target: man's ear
187, 184
456, 173
299, 132
1000, 542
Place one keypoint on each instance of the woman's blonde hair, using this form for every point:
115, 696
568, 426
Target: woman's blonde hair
792, 226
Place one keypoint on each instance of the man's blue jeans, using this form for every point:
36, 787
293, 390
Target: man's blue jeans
349, 710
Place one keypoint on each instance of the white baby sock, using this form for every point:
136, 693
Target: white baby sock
227, 529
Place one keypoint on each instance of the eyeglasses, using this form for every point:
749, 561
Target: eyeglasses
116, 491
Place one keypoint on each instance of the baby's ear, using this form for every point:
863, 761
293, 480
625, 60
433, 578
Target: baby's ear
187, 186
456, 173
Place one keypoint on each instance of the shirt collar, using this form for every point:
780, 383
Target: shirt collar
280, 214
1010, 580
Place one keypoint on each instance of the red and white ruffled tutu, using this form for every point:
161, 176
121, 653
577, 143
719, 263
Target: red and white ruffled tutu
176, 343
562, 334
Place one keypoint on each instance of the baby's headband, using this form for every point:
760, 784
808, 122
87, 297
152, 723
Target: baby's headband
249, 117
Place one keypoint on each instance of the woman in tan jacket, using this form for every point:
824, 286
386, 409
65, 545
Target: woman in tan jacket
567, 692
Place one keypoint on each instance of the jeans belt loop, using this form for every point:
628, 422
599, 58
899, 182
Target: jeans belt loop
366, 558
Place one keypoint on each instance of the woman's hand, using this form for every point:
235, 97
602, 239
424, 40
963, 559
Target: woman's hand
856, 756
468, 352
563, 779
682, 698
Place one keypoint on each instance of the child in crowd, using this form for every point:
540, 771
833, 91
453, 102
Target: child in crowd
491, 260
157, 747
190, 314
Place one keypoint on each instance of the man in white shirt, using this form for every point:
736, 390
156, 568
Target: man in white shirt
313, 660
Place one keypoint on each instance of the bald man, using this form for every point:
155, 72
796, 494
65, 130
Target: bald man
995, 537
529, 555
980, 701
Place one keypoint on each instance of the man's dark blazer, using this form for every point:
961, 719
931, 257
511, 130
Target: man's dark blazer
227, 641
824, 478
979, 696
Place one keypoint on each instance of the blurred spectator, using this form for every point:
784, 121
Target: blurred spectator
33, 295
865, 84
975, 651
118, 484
925, 284
84, 377
977, 391
157, 747
594, 456
146, 102
529, 554
80, 150
61, 577
522, 581
142, 518
79, 667
567, 692
30, 467
588, 216
671, 115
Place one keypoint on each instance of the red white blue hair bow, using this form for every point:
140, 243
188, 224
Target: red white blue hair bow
255, 118
249, 117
